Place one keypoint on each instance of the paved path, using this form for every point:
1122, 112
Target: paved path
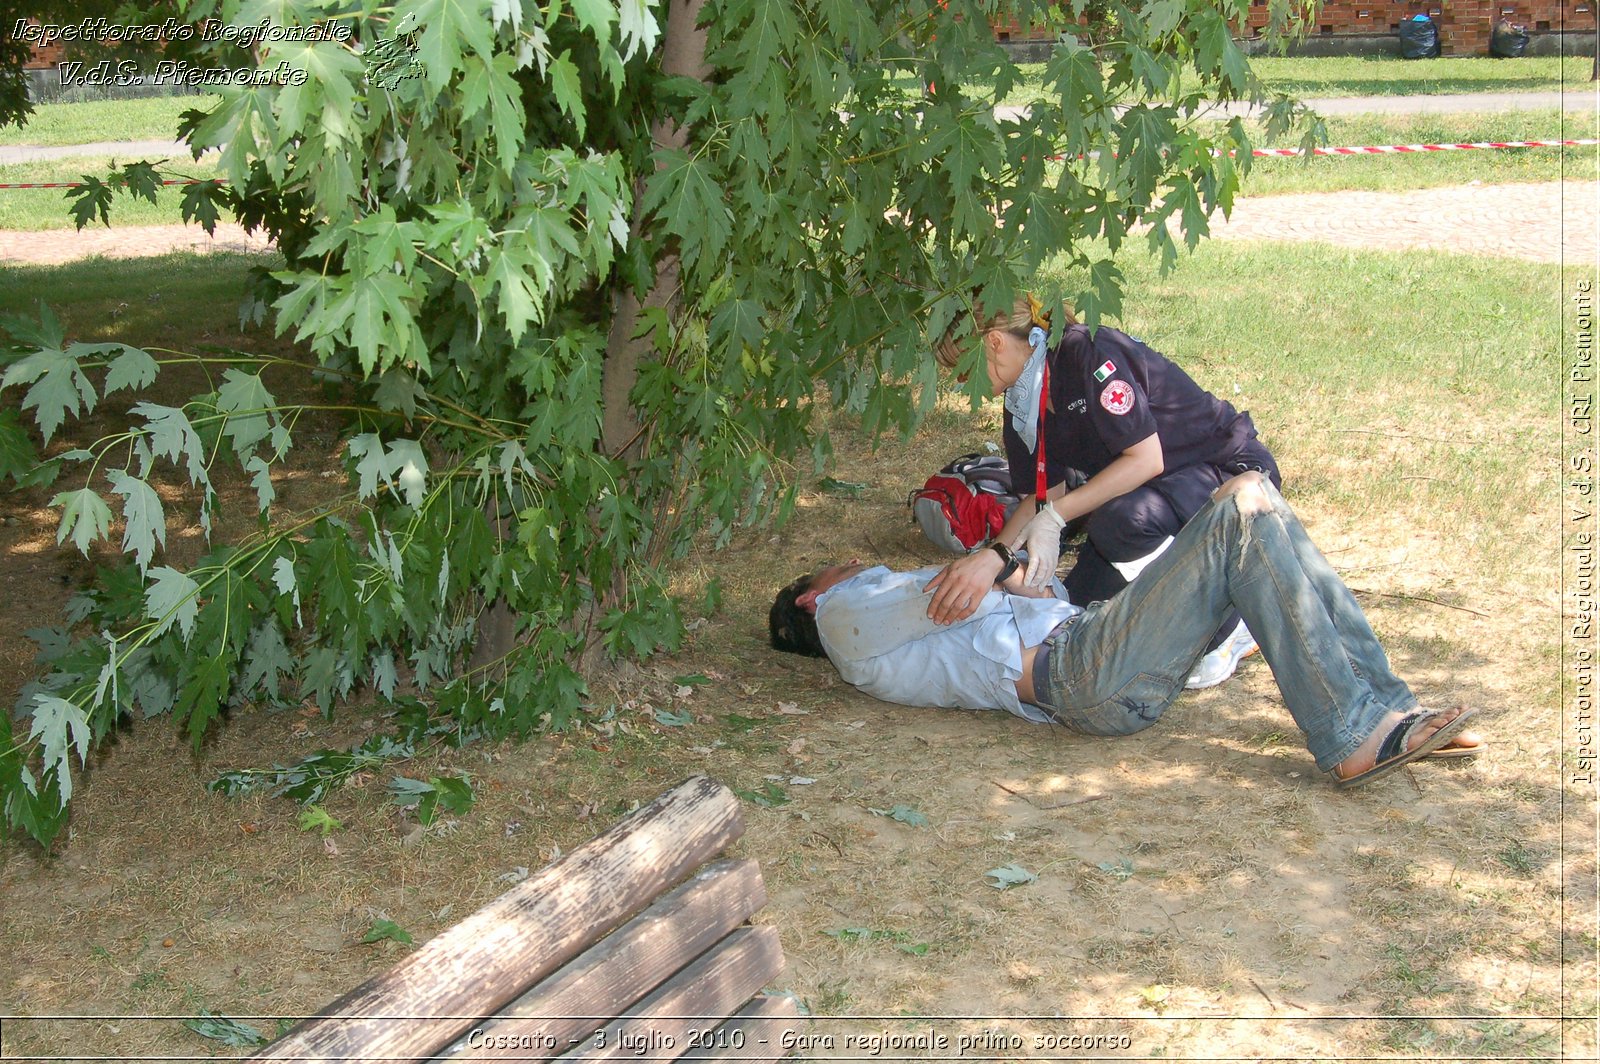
1545, 222
122, 149
52, 246
1535, 222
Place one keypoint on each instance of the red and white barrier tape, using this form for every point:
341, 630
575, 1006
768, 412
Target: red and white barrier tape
80, 184
1373, 149
1400, 149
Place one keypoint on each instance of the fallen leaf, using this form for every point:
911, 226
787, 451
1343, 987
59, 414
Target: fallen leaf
330, 847
850, 489
792, 709
904, 814
382, 929
1155, 996
1007, 876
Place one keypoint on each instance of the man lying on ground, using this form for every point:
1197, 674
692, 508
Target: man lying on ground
1114, 668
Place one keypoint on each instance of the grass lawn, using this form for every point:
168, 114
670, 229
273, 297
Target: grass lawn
151, 118
1419, 439
174, 300
1380, 75
1387, 75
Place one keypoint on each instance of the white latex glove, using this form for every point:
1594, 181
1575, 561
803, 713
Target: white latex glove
1042, 539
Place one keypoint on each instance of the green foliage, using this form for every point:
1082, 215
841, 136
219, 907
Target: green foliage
311, 778
903, 941
467, 237
387, 929
452, 794
315, 818
235, 1033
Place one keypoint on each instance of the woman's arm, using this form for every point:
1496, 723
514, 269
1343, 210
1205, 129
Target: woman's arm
960, 586
1135, 466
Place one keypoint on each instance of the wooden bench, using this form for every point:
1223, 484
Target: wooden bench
567, 965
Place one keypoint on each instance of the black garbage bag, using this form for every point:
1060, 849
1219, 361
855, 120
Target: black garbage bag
1419, 38
1508, 41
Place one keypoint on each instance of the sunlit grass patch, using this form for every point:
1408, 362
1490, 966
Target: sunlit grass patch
48, 208
88, 122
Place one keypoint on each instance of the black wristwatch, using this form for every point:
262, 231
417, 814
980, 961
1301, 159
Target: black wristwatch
1006, 556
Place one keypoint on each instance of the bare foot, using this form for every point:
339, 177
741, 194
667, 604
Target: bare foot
1365, 759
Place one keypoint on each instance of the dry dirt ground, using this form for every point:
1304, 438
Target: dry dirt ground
1201, 893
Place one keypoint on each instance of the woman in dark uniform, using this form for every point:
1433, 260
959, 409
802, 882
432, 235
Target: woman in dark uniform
1153, 444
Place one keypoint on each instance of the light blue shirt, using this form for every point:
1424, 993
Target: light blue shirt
876, 631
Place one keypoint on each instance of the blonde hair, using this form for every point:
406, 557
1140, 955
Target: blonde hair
1025, 313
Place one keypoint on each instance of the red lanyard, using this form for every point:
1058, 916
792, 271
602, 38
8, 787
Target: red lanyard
1040, 483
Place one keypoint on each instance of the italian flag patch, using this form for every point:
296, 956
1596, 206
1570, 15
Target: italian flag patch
1106, 369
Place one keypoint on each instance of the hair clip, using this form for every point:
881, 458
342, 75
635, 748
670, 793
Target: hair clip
1036, 312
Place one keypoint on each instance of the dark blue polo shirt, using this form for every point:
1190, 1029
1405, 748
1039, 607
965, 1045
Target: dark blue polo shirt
1111, 392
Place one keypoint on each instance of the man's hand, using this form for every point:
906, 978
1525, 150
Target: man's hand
1042, 538
961, 585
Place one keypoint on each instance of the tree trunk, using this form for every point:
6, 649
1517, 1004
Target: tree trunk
683, 53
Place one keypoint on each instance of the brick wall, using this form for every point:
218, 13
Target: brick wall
45, 58
1464, 25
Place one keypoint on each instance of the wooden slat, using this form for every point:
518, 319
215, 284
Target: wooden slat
754, 1035
472, 970
695, 999
615, 973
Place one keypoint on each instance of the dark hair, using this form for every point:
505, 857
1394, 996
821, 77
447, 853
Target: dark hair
792, 627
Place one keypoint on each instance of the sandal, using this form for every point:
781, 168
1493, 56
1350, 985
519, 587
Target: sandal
1392, 752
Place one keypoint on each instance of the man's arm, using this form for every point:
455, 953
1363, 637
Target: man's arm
961, 584
857, 623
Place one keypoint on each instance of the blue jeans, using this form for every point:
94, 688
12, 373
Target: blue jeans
1114, 669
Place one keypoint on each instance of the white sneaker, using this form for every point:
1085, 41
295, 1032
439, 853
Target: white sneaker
1221, 662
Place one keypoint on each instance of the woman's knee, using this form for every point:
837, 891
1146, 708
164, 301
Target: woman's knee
1132, 525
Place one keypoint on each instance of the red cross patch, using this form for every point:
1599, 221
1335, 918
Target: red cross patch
1117, 397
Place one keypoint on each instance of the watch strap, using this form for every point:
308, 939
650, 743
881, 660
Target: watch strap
1012, 564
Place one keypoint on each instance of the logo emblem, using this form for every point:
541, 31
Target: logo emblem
1117, 397
1107, 368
